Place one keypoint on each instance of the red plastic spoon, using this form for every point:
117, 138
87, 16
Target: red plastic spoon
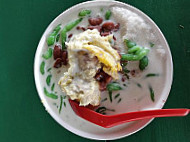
108, 121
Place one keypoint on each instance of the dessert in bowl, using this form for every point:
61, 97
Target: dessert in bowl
109, 55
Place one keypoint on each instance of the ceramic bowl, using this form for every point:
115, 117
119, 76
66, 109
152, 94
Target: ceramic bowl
65, 116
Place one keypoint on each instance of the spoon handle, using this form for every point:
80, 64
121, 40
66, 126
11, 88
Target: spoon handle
133, 116
108, 121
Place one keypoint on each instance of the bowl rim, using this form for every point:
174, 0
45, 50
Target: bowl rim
41, 94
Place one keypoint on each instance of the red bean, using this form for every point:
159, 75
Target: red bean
117, 26
81, 28
64, 58
108, 79
108, 26
95, 21
103, 79
57, 52
133, 73
69, 36
58, 63
102, 86
95, 27
105, 33
104, 83
123, 62
123, 78
115, 47
99, 75
114, 38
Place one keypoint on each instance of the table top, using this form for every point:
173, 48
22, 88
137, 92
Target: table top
23, 117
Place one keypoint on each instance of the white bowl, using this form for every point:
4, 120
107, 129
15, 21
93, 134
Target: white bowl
67, 117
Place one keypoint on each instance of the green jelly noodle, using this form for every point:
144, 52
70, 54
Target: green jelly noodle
42, 66
110, 95
66, 29
57, 37
61, 103
135, 52
48, 79
48, 54
134, 49
129, 43
108, 15
116, 96
113, 86
119, 100
52, 87
151, 44
84, 13
132, 57
143, 63
50, 95
64, 104
151, 93
52, 37
151, 75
